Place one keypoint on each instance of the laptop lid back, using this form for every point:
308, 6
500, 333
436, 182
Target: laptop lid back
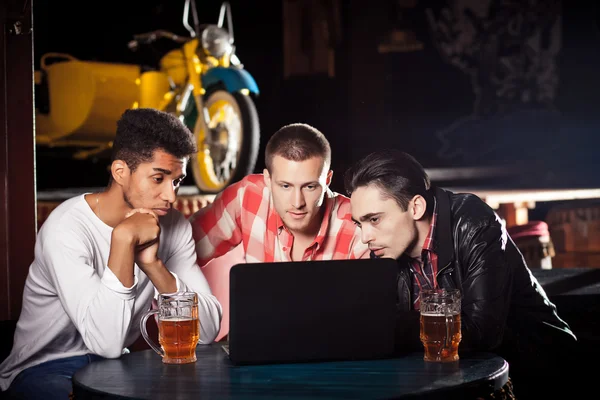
312, 311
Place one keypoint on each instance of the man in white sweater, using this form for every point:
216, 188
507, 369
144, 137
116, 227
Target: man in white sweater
100, 259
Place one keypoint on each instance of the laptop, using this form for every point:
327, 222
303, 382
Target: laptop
309, 311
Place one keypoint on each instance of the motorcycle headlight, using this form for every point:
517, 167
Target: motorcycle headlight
216, 41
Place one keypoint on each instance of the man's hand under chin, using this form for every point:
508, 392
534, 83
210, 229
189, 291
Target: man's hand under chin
137, 239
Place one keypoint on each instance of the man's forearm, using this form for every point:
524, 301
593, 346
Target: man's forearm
120, 261
161, 278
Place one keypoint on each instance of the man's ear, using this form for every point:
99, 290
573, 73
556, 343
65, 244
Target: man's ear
329, 176
267, 178
120, 171
418, 207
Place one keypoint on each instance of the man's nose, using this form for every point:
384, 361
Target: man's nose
298, 201
170, 193
366, 234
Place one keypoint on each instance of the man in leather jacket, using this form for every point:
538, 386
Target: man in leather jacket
449, 240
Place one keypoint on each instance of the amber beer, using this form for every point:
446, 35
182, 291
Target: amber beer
440, 324
178, 336
440, 336
178, 327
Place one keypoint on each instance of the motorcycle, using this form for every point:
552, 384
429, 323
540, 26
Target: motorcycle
201, 81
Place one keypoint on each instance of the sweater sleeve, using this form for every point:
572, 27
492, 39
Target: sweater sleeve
99, 306
181, 262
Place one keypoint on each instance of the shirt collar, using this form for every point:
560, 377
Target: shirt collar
429, 244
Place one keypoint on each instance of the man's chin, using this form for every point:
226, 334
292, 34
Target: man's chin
297, 226
382, 255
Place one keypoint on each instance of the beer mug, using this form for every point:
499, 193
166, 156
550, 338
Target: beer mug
440, 324
178, 327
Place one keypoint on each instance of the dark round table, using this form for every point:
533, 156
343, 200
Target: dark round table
142, 375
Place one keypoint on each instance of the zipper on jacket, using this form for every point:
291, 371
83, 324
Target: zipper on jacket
443, 269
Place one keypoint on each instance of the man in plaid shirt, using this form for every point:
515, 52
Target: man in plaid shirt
287, 213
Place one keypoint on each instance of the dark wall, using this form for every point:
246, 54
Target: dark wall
495, 83
17, 187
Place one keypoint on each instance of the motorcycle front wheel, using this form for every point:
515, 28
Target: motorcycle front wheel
228, 151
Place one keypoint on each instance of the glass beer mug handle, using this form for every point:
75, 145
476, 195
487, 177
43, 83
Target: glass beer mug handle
448, 340
144, 330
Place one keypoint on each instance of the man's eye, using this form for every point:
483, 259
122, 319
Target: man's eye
311, 187
177, 182
285, 186
356, 223
374, 220
158, 179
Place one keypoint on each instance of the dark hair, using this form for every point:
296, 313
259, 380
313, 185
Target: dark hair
297, 142
399, 175
142, 131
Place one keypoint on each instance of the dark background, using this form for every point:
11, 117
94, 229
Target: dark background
380, 100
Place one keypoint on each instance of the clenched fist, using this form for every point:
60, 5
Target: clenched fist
141, 229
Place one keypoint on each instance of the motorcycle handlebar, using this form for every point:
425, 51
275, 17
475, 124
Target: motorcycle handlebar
149, 37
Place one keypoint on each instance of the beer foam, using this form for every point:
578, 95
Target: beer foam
435, 314
176, 319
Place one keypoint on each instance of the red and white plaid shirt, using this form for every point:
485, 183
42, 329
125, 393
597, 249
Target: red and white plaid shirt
425, 269
244, 213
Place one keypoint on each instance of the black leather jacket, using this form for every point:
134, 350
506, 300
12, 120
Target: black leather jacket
504, 308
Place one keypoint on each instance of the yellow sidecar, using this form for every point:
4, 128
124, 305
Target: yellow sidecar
92, 96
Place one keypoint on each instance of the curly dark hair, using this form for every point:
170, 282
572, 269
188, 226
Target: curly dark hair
142, 131
397, 174
297, 142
